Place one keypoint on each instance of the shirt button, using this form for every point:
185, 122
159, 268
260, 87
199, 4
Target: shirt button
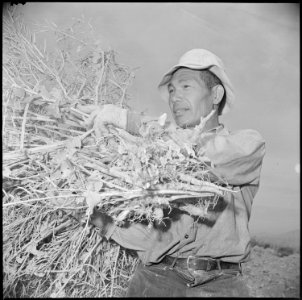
186, 236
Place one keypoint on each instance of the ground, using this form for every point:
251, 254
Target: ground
269, 275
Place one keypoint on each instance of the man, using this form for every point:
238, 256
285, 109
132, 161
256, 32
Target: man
188, 256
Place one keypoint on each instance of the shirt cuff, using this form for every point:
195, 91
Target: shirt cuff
110, 231
133, 123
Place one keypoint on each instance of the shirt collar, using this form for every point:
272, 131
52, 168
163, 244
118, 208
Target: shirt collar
216, 129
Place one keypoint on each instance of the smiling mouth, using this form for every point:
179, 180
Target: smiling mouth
180, 111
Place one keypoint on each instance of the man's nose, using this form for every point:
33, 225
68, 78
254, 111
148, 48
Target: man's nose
177, 96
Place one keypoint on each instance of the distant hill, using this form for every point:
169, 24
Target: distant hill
287, 239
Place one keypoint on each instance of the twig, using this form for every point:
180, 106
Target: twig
190, 179
14, 164
105, 181
36, 119
81, 88
79, 112
47, 128
37, 150
111, 172
104, 66
69, 35
23, 126
188, 197
114, 270
38, 199
48, 148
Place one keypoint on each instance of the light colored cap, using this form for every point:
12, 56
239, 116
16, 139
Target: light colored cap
200, 59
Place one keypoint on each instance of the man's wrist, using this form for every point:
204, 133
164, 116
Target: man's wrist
134, 122
118, 116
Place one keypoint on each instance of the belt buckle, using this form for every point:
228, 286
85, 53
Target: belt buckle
202, 276
209, 261
188, 261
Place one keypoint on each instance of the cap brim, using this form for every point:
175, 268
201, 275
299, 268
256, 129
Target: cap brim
167, 77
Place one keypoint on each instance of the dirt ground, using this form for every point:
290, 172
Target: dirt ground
269, 275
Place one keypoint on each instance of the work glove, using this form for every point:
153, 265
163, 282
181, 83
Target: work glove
102, 116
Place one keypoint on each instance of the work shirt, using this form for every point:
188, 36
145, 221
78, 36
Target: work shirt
237, 158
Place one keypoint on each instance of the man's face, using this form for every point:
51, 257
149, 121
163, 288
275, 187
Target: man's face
189, 98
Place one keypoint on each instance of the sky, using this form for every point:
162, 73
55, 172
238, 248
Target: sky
259, 44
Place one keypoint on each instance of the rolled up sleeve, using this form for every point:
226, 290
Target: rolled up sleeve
237, 157
136, 236
152, 244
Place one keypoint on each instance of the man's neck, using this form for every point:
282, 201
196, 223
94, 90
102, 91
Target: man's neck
211, 124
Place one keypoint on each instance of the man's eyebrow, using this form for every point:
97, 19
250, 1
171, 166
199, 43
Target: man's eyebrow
186, 79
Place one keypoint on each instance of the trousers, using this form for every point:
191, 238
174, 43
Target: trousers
160, 281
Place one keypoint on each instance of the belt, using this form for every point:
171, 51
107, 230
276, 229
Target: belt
198, 263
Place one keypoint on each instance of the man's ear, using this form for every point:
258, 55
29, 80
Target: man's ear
218, 92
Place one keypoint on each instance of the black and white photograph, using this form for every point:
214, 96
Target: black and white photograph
151, 149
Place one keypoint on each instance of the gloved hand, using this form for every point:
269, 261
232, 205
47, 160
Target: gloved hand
101, 116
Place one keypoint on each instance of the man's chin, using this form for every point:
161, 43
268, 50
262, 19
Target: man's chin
183, 123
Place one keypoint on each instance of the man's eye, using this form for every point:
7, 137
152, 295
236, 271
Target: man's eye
170, 91
186, 86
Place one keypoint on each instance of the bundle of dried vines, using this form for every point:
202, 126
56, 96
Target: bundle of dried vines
53, 166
